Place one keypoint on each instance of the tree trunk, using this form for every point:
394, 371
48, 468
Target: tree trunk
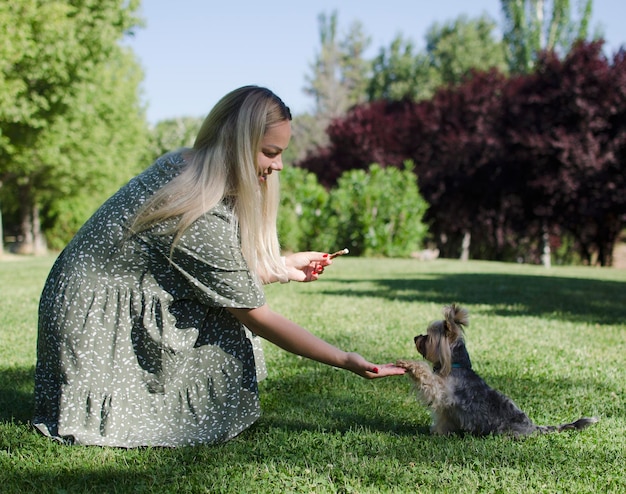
585, 253
546, 256
465, 246
24, 241
1, 228
40, 246
31, 240
609, 235
605, 253
1, 234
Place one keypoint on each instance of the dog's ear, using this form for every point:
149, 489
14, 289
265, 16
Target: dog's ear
454, 319
461, 315
448, 330
456, 315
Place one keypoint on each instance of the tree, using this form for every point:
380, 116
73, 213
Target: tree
452, 51
174, 133
378, 211
339, 72
400, 72
528, 31
464, 45
55, 108
337, 82
462, 170
566, 124
377, 132
101, 142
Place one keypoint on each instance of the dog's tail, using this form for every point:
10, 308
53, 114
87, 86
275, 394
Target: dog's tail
578, 425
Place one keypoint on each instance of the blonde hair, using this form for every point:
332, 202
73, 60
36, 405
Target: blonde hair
223, 167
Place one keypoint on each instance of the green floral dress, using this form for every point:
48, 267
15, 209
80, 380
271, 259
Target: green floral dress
137, 348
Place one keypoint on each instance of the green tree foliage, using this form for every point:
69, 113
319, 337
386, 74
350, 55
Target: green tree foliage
339, 73
101, 142
70, 122
377, 212
452, 51
533, 26
341, 77
337, 81
301, 220
401, 72
373, 212
456, 48
174, 133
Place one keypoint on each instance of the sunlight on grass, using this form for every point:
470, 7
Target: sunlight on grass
554, 340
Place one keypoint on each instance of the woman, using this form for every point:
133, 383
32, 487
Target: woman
148, 319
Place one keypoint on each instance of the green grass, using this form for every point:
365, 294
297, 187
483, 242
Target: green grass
554, 340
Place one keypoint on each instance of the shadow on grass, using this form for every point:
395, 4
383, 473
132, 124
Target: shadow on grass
202, 469
574, 299
304, 402
317, 418
16, 394
313, 401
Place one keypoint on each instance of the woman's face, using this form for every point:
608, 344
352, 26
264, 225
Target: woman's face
270, 155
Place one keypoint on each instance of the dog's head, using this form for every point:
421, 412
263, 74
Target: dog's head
437, 345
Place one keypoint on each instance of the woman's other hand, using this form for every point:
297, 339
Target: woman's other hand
306, 266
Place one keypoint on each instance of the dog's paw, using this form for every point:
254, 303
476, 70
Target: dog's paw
415, 369
405, 364
412, 365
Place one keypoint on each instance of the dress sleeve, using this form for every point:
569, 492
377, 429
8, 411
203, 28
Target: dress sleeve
208, 255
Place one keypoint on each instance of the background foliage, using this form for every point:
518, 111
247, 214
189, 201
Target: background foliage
536, 123
373, 212
378, 212
506, 159
303, 211
67, 88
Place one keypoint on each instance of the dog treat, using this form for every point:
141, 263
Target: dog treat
339, 253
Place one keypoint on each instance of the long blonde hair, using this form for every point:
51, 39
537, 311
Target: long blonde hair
223, 166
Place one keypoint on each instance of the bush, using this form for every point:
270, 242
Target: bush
377, 213
300, 220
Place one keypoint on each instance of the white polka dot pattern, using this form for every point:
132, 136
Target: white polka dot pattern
137, 349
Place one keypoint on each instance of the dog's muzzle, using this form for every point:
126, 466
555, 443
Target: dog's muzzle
420, 344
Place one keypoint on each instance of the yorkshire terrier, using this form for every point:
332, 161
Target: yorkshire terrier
458, 398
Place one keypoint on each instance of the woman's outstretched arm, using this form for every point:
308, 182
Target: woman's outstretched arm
295, 339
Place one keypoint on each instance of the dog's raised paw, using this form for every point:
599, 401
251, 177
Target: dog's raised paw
405, 364
413, 365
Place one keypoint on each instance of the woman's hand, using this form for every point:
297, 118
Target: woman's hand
363, 368
306, 266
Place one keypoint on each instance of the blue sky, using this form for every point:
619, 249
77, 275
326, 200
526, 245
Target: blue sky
195, 51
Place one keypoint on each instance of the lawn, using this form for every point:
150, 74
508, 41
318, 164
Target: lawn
554, 340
